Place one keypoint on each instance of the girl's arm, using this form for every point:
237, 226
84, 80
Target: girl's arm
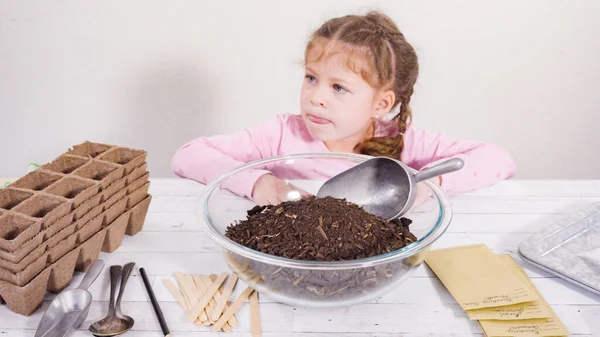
485, 164
206, 158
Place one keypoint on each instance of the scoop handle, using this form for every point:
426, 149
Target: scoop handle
91, 274
444, 167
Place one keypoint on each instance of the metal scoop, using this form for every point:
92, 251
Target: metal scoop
383, 186
70, 308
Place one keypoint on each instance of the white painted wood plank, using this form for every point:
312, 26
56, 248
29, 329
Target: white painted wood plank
541, 188
502, 223
174, 186
173, 204
412, 319
85, 333
510, 188
179, 242
558, 291
592, 318
159, 264
195, 250
430, 291
461, 223
164, 264
389, 318
172, 222
188, 204
500, 243
276, 317
168, 242
414, 290
519, 206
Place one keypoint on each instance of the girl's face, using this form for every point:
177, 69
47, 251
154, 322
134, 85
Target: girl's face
337, 104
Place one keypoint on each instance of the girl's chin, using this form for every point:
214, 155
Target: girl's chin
321, 133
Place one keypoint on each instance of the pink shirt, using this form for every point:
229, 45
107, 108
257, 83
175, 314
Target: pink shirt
206, 158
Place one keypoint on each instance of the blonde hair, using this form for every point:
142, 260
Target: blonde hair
391, 64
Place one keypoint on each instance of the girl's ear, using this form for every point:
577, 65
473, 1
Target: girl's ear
383, 103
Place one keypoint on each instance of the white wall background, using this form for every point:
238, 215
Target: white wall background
154, 74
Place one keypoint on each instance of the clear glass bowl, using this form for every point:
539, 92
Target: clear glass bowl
316, 283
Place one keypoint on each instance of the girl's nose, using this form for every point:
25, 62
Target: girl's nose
319, 99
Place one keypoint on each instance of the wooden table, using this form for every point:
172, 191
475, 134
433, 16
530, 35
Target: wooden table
500, 217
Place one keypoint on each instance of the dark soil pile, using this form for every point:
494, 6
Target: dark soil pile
323, 229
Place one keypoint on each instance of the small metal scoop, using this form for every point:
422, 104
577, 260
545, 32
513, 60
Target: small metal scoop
70, 308
383, 186
115, 323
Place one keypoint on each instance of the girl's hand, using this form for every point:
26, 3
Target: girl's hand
269, 190
423, 192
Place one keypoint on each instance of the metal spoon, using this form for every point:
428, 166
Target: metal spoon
112, 325
383, 186
124, 277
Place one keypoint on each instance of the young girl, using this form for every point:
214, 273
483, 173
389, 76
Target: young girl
359, 70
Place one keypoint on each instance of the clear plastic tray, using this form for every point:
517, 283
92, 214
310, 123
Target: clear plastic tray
563, 248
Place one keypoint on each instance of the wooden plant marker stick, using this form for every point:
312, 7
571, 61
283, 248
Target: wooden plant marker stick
192, 293
207, 282
232, 309
179, 277
201, 320
212, 304
233, 322
204, 315
198, 288
197, 310
189, 291
254, 315
190, 281
183, 284
176, 294
223, 297
199, 280
181, 281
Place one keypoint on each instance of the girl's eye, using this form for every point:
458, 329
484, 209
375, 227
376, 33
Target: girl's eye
339, 88
310, 78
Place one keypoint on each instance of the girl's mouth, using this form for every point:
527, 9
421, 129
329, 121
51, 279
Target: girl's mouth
317, 119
